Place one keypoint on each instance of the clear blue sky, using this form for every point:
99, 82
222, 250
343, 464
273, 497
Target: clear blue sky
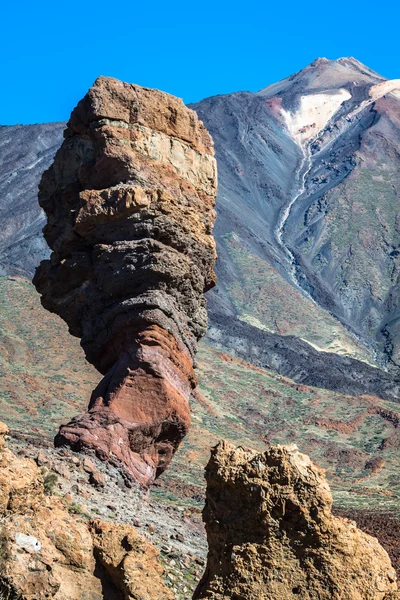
51, 52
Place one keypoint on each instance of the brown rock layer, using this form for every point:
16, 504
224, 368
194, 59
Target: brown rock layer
46, 552
272, 535
129, 202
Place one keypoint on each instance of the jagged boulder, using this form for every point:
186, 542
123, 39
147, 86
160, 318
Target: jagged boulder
272, 535
46, 552
129, 201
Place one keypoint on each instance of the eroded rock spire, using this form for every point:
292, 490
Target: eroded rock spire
129, 201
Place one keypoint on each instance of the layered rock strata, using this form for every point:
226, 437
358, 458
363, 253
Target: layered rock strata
272, 535
129, 201
46, 552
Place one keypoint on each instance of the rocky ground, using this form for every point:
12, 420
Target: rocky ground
88, 492
92, 489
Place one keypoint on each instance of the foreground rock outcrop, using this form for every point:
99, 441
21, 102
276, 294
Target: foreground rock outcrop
46, 552
272, 535
130, 210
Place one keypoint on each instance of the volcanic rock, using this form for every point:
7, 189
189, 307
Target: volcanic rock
46, 552
130, 210
272, 535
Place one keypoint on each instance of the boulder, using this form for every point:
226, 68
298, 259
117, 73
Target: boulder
130, 561
272, 535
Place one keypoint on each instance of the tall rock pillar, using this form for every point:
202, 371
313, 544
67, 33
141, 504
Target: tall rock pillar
130, 201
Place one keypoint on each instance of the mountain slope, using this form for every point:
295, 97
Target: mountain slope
309, 183
25, 152
345, 231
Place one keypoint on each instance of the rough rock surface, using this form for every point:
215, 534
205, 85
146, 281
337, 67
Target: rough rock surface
47, 552
130, 207
385, 526
272, 535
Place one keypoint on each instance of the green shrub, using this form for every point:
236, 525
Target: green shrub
49, 484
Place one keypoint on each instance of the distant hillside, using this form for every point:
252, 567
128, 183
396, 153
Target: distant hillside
44, 381
25, 152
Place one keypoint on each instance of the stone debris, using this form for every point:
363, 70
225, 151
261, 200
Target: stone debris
49, 550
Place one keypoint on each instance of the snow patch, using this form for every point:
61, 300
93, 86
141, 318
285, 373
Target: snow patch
387, 87
314, 113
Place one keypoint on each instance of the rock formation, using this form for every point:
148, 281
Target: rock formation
46, 552
130, 210
272, 535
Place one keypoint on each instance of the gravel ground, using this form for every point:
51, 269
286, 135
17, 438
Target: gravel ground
90, 487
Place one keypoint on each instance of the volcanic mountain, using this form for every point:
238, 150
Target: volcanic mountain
25, 152
309, 196
307, 222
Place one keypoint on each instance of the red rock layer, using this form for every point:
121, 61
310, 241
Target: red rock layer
129, 202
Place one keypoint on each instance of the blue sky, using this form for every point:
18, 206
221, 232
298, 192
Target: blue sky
51, 52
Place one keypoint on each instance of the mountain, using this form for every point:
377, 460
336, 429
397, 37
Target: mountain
307, 222
308, 196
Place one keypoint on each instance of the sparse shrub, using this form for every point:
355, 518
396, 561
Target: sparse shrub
76, 509
49, 484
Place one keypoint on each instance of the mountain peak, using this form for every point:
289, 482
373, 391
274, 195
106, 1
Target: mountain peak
325, 74
319, 61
